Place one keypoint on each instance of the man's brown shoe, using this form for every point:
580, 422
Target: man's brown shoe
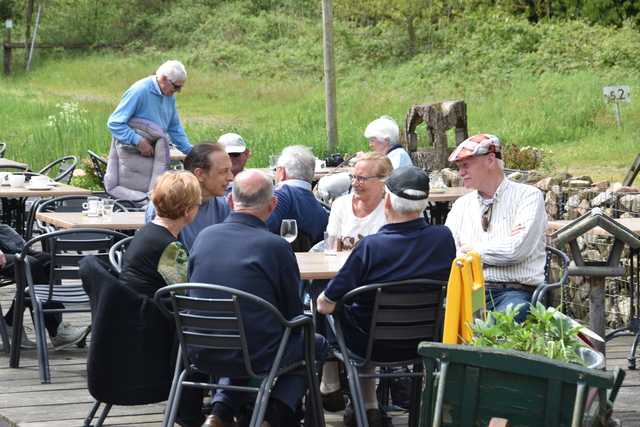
216, 421
374, 417
333, 402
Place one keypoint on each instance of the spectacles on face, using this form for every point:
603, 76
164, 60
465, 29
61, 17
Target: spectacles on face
175, 86
235, 154
486, 216
361, 179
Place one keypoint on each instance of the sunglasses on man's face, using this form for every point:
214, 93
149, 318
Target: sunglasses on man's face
175, 86
234, 154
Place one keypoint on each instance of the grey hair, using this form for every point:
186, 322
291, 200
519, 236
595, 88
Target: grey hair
382, 129
406, 206
252, 189
174, 70
299, 162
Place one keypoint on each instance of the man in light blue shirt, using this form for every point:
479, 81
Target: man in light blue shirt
152, 98
211, 165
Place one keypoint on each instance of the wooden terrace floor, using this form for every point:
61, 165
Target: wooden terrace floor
24, 402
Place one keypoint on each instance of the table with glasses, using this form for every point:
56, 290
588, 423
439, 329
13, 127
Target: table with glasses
14, 200
317, 265
119, 220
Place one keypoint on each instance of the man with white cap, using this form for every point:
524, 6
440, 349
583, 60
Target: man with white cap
504, 221
238, 152
405, 248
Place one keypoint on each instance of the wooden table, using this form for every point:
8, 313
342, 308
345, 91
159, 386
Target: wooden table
317, 265
14, 200
12, 163
451, 194
317, 174
175, 154
120, 220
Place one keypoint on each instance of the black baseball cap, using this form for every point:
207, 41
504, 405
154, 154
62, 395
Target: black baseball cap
409, 182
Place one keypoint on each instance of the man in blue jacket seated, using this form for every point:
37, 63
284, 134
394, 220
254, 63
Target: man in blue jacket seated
211, 165
264, 265
405, 248
294, 173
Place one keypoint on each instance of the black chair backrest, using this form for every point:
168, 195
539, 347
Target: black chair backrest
399, 316
116, 253
98, 164
3, 148
65, 170
216, 322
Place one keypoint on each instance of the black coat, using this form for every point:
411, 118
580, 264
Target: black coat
132, 351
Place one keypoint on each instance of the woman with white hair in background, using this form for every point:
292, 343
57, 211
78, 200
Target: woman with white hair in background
384, 134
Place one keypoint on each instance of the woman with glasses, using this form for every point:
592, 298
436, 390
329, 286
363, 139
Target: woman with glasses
156, 258
362, 212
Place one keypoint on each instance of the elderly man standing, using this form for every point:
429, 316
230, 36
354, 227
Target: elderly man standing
263, 265
238, 152
504, 221
294, 174
384, 134
152, 98
211, 165
405, 248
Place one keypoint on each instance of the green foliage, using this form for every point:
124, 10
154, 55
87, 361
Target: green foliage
526, 158
85, 175
546, 332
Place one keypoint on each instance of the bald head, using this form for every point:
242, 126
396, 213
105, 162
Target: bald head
253, 193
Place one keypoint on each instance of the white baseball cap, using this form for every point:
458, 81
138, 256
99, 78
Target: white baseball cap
233, 143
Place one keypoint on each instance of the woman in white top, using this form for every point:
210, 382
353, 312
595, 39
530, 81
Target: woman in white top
362, 212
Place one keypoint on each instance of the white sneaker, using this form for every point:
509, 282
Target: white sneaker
26, 342
67, 336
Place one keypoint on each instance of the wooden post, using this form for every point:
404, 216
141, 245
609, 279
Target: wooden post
27, 34
633, 172
596, 311
329, 76
7, 54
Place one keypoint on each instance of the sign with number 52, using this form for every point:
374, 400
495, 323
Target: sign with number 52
616, 94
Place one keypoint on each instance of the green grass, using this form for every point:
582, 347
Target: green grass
560, 112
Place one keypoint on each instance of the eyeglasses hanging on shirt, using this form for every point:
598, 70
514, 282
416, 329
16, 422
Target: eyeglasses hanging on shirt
486, 216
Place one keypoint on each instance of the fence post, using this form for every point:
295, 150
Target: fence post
7, 50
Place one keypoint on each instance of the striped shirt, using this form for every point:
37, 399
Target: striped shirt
514, 259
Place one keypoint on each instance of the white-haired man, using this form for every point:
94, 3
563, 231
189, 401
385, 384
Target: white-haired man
152, 98
294, 174
384, 134
504, 221
405, 248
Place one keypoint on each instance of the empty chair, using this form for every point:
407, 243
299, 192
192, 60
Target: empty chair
100, 166
67, 248
216, 322
62, 169
562, 260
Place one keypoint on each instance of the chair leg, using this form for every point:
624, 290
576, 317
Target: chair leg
416, 389
357, 400
41, 342
4, 334
92, 413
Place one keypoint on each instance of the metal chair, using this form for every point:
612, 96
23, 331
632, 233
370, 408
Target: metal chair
408, 316
67, 248
562, 260
65, 171
216, 322
3, 148
100, 166
116, 253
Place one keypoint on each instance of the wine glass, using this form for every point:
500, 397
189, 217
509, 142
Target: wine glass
289, 230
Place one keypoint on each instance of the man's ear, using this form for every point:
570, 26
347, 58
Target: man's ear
230, 199
387, 201
199, 173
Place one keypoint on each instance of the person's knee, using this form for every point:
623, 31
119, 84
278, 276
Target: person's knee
322, 348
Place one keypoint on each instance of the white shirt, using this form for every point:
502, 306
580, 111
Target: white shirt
515, 259
349, 228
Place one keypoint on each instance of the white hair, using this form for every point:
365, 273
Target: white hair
298, 162
383, 129
174, 70
406, 206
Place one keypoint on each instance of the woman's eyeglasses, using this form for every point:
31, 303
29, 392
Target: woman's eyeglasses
486, 216
361, 179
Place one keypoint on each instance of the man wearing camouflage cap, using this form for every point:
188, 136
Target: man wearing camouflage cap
504, 221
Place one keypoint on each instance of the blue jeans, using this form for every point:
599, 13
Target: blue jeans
289, 388
498, 299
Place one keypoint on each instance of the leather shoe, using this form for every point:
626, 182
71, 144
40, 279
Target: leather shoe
333, 402
374, 418
216, 421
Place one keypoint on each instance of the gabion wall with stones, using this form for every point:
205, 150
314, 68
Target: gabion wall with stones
567, 198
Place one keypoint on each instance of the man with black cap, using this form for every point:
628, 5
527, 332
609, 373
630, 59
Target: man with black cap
405, 248
504, 221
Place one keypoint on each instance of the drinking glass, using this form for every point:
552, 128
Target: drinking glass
273, 161
330, 244
107, 209
289, 230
